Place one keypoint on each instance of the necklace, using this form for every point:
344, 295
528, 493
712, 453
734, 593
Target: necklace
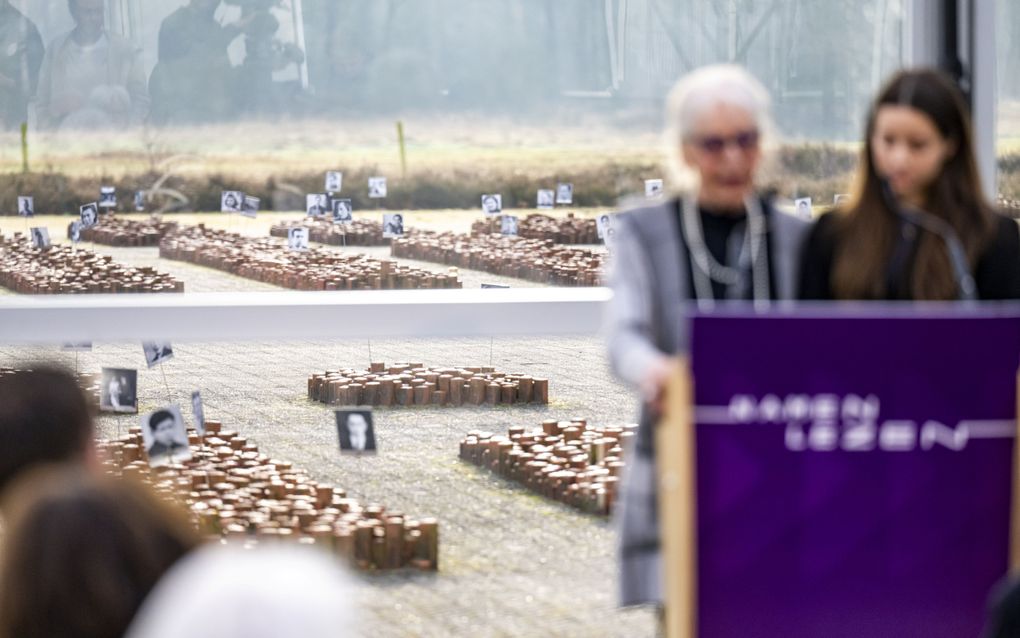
707, 269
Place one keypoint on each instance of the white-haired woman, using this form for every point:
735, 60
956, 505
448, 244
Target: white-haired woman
718, 241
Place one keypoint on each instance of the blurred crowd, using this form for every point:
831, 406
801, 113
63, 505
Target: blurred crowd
84, 554
91, 78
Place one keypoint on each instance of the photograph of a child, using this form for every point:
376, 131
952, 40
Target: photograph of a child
119, 391
165, 437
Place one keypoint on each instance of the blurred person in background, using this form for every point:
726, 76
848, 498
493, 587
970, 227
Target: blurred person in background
91, 78
21, 55
265, 54
82, 552
719, 241
194, 80
45, 418
918, 190
268, 592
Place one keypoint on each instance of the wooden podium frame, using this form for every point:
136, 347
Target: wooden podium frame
676, 463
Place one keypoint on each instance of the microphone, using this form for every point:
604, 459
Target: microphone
926, 221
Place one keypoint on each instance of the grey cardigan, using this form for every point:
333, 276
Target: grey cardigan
650, 281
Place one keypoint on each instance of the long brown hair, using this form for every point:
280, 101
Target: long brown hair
81, 553
868, 226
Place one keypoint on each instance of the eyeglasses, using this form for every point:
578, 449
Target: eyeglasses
716, 144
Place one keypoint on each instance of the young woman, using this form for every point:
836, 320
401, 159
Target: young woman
918, 227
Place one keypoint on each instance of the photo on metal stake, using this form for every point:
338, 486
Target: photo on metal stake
356, 431
377, 187
165, 436
26, 206
803, 207
492, 204
157, 352
108, 197
231, 201
564, 193
343, 211
653, 188
140, 201
74, 233
297, 238
250, 206
546, 198
89, 214
316, 204
118, 391
198, 411
509, 225
393, 225
334, 181
602, 224
41, 237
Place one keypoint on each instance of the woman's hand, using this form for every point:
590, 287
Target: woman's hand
653, 386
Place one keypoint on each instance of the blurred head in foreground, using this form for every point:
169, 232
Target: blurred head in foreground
45, 418
271, 591
82, 551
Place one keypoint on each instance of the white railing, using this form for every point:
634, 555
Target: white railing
303, 315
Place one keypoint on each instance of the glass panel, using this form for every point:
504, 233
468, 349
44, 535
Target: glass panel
508, 558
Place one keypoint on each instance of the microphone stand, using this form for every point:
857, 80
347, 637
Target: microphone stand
927, 222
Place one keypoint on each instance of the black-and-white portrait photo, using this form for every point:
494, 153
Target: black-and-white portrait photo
803, 207
357, 433
41, 237
393, 225
231, 201
198, 411
140, 201
492, 204
377, 187
316, 204
119, 391
75, 231
89, 215
157, 352
610, 237
26, 206
509, 225
653, 188
343, 211
250, 206
297, 238
334, 181
564, 193
108, 197
602, 224
546, 198
165, 437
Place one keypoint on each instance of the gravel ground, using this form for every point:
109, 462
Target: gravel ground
511, 563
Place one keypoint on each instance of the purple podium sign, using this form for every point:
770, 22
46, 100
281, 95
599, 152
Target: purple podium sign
854, 475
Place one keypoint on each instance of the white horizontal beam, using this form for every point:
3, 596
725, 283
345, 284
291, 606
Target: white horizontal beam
302, 315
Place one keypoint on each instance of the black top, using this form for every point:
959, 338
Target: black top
997, 274
718, 226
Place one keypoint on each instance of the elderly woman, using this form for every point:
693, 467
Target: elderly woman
718, 241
